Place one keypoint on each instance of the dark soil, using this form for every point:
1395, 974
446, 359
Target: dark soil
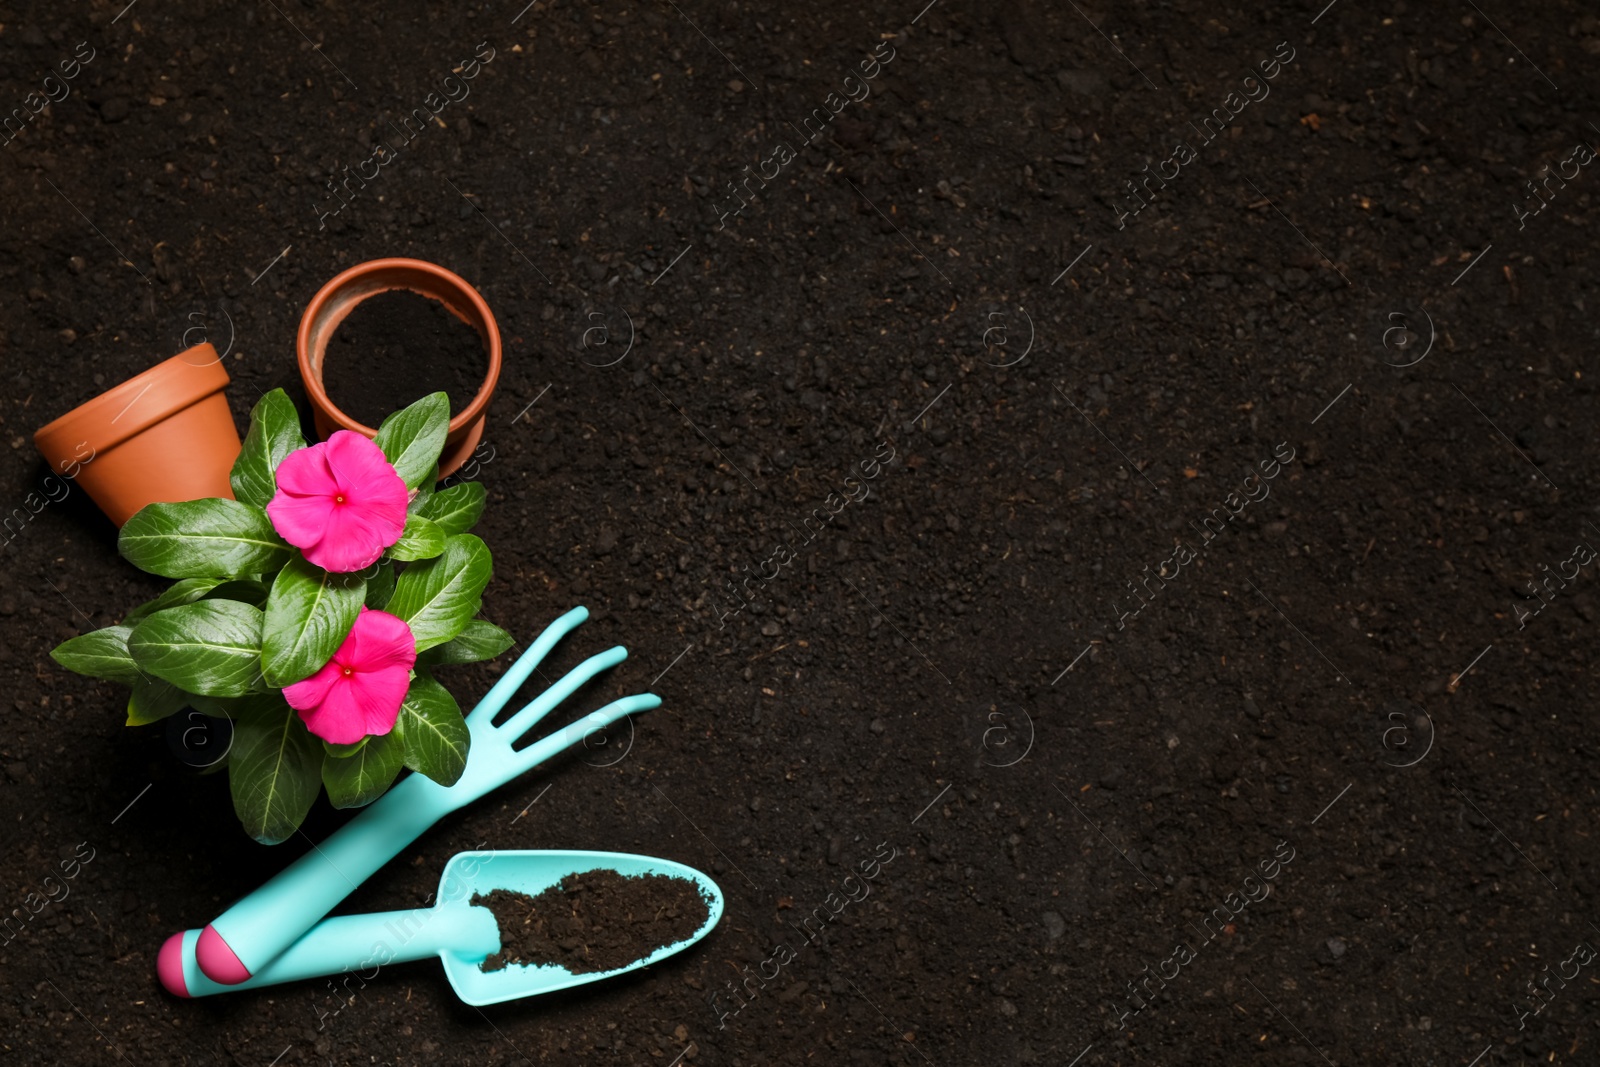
595, 921
396, 347
1079, 762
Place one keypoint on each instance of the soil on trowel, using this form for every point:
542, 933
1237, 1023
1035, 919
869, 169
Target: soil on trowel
596, 921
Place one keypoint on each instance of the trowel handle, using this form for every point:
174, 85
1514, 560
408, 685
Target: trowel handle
359, 944
243, 940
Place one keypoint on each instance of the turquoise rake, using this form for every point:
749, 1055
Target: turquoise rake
461, 934
253, 932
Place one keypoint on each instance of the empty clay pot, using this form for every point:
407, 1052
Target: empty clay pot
164, 435
339, 297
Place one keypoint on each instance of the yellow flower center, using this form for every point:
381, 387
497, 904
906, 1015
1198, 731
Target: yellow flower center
339, 499
348, 672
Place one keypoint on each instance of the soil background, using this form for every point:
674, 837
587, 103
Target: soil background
946, 289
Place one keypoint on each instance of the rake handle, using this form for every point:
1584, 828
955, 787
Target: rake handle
243, 940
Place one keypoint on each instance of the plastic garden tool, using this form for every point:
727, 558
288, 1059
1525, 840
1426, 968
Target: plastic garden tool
459, 932
246, 937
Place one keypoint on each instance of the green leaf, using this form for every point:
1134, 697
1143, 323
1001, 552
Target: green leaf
413, 437
210, 538
244, 590
273, 768
274, 433
153, 700
186, 591
100, 654
358, 780
212, 647
380, 586
456, 509
438, 597
435, 735
344, 751
309, 614
421, 539
424, 492
479, 640
216, 707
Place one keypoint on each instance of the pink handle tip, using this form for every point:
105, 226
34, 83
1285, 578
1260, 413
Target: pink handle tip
217, 961
169, 966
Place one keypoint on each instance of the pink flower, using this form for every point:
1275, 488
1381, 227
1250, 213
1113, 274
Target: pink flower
358, 692
339, 502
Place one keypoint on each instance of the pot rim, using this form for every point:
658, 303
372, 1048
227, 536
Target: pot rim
183, 381
442, 285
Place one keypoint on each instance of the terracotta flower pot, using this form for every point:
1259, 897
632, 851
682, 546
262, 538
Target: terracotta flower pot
165, 435
340, 296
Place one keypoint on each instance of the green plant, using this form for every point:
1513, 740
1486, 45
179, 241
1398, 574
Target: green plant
253, 630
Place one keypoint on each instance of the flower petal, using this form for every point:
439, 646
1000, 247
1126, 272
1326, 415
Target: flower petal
304, 472
379, 640
300, 520
339, 717
341, 558
307, 694
378, 694
359, 465
355, 535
